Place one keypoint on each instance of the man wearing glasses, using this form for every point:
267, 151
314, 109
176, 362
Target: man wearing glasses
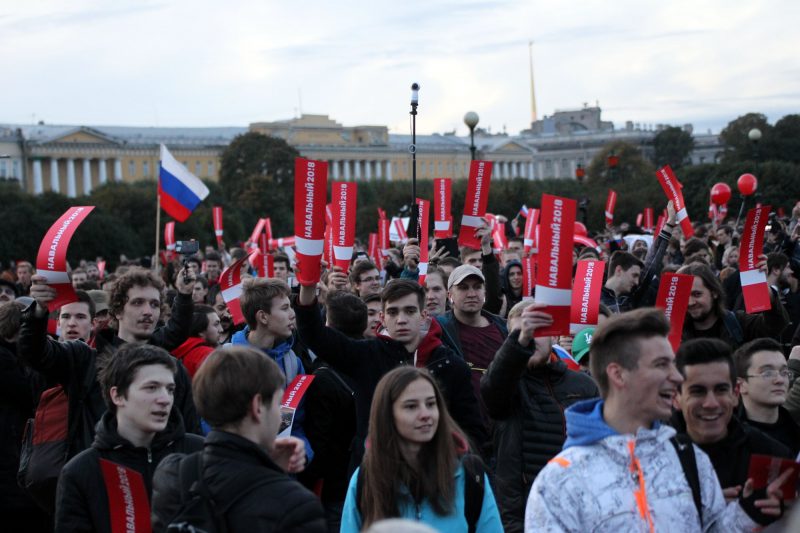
365, 279
763, 378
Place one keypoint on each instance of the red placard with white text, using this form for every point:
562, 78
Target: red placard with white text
755, 288
280, 242
586, 294
126, 494
230, 284
263, 262
310, 191
528, 276
529, 236
343, 198
660, 224
554, 269
383, 237
480, 177
51, 261
169, 239
674, 291
257, 230
611, 203
442, 219
423, 216
648, 218
672, 188
268, 228
373, 250
292, 396
216, 214
499, 239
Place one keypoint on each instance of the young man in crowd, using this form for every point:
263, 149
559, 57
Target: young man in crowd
705, 412
374, 308
619, 467
526, 390
24, 273
203, 339
224, 314
75, 319
435, 292
282, 267
97, 488
199, 290
239, 391
365, 279
213, 267
8, 291
763, 378
78, 277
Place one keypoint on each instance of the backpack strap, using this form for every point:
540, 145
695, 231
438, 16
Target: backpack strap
685, 450
474, 476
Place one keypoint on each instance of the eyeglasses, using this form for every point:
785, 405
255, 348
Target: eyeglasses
772, 374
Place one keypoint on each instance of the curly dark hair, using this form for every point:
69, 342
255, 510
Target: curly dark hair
136, 277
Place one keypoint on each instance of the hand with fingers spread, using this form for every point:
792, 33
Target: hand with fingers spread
773, 505
484, 233
437, 255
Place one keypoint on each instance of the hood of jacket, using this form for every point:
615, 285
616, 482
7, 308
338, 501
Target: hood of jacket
188, 346
426, 346
585, 423
107, 436
276, 352
505, 286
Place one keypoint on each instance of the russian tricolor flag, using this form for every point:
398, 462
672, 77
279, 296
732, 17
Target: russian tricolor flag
180, 191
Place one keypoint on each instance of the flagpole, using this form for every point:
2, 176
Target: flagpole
158, 231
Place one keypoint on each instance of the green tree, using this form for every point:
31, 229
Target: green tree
254, 156
738, 146
672, 147
785, 139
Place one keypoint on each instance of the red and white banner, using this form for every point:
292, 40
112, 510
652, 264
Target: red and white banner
480, 177
280, 242
128, 503
344, 199
442, 219
648, 219
529, 236
373, 250
660, 224
586, 295
253, 240
674, 291
672, 188
169, 239
216, 214
639, 219
528, 276
499, 239
101, 270
611, 203
268, 228
383, 237
554, 269
292, 396
423, 224
310, 191
230, 284
327, 251
51, 261
263, 262
399, 227
755, 289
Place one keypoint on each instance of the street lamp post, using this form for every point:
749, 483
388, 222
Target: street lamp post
755, 135
471, 120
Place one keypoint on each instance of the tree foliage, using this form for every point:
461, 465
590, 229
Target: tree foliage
672, 147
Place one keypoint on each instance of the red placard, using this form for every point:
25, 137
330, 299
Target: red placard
529, 237
216, 214
755, 288
268, 228
400, 229
648, 218
480, 177
128, 503
423, 216
499, 239
611, 203
296, 389
253, 240
263, 262
344, 199
554, 269
764, 469
169, 239
280, 242
310, 190
230, 284
101, 270
673, 297
51, 261
672, 188
528, 276
374, 251
586, 294
442, 219
660, 224
383, 237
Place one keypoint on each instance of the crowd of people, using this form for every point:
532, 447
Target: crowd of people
367, 400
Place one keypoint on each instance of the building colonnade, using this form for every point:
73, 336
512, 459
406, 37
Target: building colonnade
88, 168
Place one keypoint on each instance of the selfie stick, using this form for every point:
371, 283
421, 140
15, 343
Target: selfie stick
413, 228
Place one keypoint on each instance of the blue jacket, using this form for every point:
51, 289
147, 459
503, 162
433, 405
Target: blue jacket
455, 522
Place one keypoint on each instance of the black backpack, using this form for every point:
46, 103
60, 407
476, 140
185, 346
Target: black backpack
474, 477
199, 512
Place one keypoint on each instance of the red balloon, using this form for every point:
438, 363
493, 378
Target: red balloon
584, 240
720, 193
580, 229
747, 184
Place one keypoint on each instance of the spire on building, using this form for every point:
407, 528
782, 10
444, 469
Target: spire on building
533, 91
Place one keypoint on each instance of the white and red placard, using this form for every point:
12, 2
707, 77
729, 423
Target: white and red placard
397, 231
660, 224
344, 199
611, 204
292, 396
554, 268
51, 261
423, 225
327, 252
101, 270
648, 219
310, 191
230, 284
268, 228
586, 294
672, 188
674, 291
169, 239
280, 242
480, 177
383, 237
263, 262
499, 239
442, 200
373, 249
216, 215
528, 276
755, 288
529, 236
257, 230
639, 219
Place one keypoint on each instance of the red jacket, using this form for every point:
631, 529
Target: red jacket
192, 353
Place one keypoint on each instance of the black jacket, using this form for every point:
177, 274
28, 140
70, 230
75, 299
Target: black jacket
527, 406
786, 431
72, 364
232, 463
730, 457
366, 362
82, 499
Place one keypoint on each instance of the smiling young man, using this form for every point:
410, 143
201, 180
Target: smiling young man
97, 490
620, 469
407, 337
365, 279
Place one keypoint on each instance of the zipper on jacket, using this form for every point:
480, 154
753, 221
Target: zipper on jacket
149, 456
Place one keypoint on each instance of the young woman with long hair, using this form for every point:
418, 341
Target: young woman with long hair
417, 464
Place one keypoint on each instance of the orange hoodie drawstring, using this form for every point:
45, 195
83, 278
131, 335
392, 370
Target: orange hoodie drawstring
641, 494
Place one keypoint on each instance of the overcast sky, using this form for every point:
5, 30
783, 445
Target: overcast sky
232, 62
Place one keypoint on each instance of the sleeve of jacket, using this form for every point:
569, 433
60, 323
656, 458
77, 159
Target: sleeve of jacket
166, 499
489, 521
719, 516
185, 402
73, 511
767, 324
408, 273
306, 517
351, 517
323, 411
551, 505
336, 348
499, 383
177, 329
793, 399
463, 404
61, 362
491, 271
652, 268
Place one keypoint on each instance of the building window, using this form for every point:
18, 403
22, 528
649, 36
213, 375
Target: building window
146, 169
3, 169
132, 168
431, 170
17, 173
211, 168
198, 168
441, 169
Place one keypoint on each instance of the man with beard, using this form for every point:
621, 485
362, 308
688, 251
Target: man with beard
708, 317
225, 318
